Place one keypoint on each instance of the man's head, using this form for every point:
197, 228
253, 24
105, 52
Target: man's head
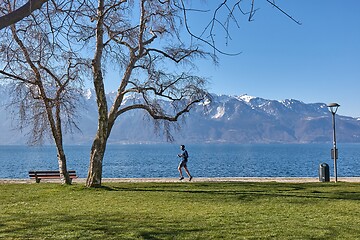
182, 147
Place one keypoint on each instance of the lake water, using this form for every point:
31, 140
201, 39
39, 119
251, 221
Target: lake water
207, 160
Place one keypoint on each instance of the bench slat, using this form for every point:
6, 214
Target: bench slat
49, 174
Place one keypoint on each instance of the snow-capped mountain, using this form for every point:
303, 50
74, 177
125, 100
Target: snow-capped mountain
246, 119
221, 119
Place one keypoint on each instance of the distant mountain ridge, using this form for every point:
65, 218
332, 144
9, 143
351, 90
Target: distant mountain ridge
223, 119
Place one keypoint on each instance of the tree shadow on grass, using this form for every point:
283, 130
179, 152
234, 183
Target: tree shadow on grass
101, 226
161, 234
248, 191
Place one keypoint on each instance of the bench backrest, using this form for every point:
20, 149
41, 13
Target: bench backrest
50, 173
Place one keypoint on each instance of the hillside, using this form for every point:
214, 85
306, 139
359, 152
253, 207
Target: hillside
224, 119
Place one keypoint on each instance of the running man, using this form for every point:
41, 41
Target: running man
183, 164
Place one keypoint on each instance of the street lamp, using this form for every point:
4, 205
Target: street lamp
334, 152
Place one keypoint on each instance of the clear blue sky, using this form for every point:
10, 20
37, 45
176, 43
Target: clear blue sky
318, 61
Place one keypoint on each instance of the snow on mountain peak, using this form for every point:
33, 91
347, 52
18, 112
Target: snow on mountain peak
220, 111
245, 98
206, 102
88, 93
288, 102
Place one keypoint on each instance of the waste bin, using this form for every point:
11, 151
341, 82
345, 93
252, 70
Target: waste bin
324, 173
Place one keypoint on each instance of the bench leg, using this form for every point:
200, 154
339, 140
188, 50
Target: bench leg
37, 180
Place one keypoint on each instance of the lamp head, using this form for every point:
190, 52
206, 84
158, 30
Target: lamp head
333, 107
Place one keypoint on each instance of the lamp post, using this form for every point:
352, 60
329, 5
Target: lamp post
334, 152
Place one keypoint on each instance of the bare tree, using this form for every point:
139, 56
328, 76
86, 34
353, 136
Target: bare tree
145, 41
142, 57
46, 78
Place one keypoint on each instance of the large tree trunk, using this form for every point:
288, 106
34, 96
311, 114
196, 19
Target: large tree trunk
57, 133
62, 165
99, 144
96, 159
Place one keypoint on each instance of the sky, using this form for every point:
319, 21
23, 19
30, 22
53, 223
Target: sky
317, 61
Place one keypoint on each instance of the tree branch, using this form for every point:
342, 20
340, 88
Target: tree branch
15, 77
158, 116
278, 8
20, 13
186, 53
212, 45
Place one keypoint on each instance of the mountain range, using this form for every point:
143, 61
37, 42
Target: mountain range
221, 119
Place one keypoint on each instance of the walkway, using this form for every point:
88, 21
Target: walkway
217, 179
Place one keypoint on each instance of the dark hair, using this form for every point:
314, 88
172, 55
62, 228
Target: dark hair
183, 146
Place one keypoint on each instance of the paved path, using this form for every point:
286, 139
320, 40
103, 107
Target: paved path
219, 179
226, 179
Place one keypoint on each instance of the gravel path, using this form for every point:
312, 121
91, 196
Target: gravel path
229, 179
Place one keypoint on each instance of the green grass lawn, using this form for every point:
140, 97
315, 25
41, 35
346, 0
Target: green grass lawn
181, 211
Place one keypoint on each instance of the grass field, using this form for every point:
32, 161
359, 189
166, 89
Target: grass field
181, 211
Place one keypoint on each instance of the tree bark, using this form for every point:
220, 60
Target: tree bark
99, 144
62, 165
96, 158
57, 134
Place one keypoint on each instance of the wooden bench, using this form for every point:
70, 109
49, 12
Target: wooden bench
49, 174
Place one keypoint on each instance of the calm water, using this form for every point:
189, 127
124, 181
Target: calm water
134, 161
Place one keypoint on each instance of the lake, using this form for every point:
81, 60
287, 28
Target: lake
206, 160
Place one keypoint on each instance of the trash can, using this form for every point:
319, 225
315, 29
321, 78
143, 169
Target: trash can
324, 173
